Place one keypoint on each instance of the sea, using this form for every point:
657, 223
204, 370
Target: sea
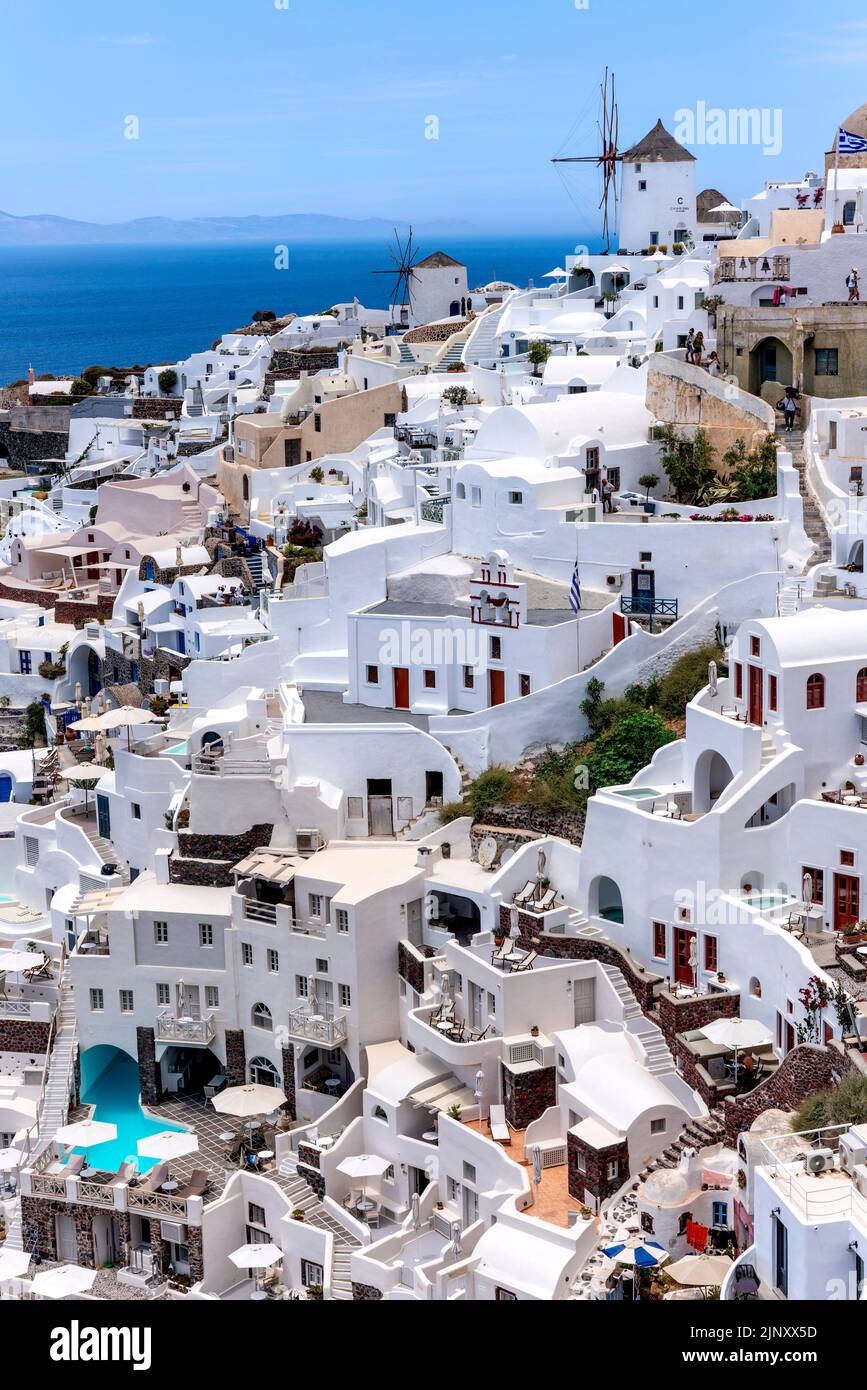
64, 308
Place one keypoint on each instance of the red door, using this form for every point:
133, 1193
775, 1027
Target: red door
401, 687
756, 700
847, 901
620, 632
497, 687
683, 943
788, 1037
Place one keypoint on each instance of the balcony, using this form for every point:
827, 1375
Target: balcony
193, 1032
317, 1028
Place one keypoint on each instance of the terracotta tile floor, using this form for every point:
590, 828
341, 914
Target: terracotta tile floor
553, 1202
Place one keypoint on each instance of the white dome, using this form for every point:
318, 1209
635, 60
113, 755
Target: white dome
669, 1187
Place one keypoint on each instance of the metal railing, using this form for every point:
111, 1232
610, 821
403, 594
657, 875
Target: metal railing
260, 912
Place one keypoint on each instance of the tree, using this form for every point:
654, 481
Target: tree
168, 380
754, 471
648, 481
538, 353
456, 396
688, 462
80, 387
626, 748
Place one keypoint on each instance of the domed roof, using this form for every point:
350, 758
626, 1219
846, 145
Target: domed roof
669, 1187
856, 123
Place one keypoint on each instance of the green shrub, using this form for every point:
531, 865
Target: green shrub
628, 747
168, 380
685, 679
490, 788
80, 387
845, 1104
452, 810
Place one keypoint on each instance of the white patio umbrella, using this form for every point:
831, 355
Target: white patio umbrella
248, 1102
13, 962
128, 717
13, 1264
737, 1034
168, 1144
85, 1134
10, 1159
62, 1282
701, 1271
727, 208
712, 677
86, 775
363, 1166
256, 1256
558, 273
415, 1208
91, 724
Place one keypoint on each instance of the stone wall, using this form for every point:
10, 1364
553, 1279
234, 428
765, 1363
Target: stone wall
594, 1181
197, 1259
684, 1015
640, 981
156, 407
687, 397
409, 967
296, 361
805, 1069
23, 1035
236, 1057
528, 1094
148, 1067
233, 847
39, 1227
202, 873
290, 1108
313, 1178
308, 1156
365, 1293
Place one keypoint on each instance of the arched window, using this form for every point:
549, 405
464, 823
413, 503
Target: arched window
261, 1017
263, 1072
816, 691
861, 686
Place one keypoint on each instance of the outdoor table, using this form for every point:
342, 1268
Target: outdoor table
227, 1137
265, 1155
334, 1084
365, 1204
170, 1186
431, 1135
445, 1025
258, 1295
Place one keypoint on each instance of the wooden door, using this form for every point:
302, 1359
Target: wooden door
683, 943
401, 688
497, 687
847, 901
757, 708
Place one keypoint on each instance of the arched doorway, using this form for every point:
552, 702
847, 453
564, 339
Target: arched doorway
855, 563
712, 776
263, 1072
770, 360
5, 786
94, 673
606, 900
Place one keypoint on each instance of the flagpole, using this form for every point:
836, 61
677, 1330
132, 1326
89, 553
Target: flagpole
836, 171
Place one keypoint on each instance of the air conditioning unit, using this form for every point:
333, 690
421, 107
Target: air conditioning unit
174, 1232
853, 1150
308, 842
859, 1177
819, 1161
614, 581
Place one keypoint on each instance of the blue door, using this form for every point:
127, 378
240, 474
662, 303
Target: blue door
103, 816
5, 787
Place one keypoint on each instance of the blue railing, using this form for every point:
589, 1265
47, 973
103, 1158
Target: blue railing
645, 605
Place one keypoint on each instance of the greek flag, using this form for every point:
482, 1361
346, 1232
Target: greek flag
575, 591
847, 143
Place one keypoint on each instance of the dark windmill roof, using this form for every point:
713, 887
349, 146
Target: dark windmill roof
711, 198
659, 147
438, 261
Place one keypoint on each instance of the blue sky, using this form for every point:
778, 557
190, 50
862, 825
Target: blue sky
270, 106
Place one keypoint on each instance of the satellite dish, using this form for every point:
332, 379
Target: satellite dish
488, 851
506, 856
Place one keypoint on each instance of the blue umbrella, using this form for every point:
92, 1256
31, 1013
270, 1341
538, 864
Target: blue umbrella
643, 1254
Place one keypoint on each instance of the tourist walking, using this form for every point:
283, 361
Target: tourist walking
690, 341
853, 285
697, 348
790, 408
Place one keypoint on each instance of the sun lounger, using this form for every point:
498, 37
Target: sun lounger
500, 1131
498, 956
526, 893
74, 1165
126, 1173
155, 1178
546, 902
527, 963
197, 1184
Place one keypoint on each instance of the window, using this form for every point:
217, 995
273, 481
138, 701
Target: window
847, 858
647, 1223
659, 935
317, 423
302, 986
613, 1170
613, 476
430, 680
755, 646
680, 301
469, 1172
642, 185
658, 1126
495, 648
273, 958
136, 810
260, 1016
97, 1001
525, 685
772, 694
206, 934
161, 933
255, 1214
711, 955
591, 460
453, 1189
246, 953
314, 904
581, 1161
321, 967
492, 1004
826, 362
312, 1274
341, 921
126, 1001
739, 681
469, 678
164, 994
516, 499
460, 492
372, 675
344, 994
861, 686
212, 997
816, 691
475, 496
31, 851
818, 878
720, 1214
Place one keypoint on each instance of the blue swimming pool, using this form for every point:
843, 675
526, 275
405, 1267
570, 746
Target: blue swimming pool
636, 793
110, 1081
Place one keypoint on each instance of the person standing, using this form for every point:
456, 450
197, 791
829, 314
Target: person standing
789, 406
697, 348
690, 340
853, 285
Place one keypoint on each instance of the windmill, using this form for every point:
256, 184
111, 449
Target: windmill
403, 255
607, 159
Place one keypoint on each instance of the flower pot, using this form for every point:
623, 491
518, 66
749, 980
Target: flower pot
859, 759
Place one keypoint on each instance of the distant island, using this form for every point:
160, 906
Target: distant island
43, 229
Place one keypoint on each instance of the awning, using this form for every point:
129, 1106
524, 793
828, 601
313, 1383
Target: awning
273, 866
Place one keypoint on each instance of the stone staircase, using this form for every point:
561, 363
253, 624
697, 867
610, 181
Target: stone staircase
698, 1134
452, 358
407, 357
769, 750
257, 571
659, 1060
302, 1198
813, 522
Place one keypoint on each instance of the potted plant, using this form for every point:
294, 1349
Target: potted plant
859, 759
455, 1112
648, 481
534, 1031
297, 1214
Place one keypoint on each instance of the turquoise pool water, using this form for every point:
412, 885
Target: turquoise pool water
765, 901
179, 750
637, 793
111, 1083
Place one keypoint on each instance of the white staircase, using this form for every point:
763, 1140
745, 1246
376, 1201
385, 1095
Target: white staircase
656, 1050
257, 570
769, 750
303, 1198
452, 358
480, 348
790, 592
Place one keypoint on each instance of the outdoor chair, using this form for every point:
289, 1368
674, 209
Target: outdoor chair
155, 1178
39, 972
197, 1185
527, 963
525, 894
480, 1037
500, 1132
3, 994
126, 1173
74, 1165
497, 957
546, 901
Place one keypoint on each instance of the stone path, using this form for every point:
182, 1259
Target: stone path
813, 522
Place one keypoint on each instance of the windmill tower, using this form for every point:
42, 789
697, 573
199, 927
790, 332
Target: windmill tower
607, 159
403, 269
